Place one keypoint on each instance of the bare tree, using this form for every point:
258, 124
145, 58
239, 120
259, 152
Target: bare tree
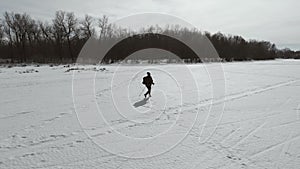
70, 27
8, 33
58, 31
120, 32
33, 31
103, 25
15, 28
86, 27
8, 26
64, 28
46, 31
1, 31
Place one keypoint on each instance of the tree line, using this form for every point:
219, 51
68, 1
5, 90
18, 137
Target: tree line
25, 40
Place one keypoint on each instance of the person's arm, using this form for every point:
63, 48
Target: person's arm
152, 81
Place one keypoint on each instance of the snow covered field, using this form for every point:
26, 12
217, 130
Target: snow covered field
54, 118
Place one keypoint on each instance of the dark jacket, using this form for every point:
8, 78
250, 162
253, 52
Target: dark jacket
148, 81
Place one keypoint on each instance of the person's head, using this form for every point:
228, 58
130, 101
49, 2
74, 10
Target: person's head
148, 73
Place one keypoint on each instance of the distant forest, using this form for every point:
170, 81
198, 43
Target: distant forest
26, 40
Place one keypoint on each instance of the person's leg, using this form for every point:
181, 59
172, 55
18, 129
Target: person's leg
149, 89
148, 92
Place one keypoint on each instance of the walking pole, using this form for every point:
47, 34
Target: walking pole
143, 89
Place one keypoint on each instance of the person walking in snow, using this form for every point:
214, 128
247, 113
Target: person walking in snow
148, 82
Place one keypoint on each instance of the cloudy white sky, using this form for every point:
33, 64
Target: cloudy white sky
277, 21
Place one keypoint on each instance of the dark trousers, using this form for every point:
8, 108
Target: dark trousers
149, 90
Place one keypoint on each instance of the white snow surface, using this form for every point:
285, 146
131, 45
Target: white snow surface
91, 118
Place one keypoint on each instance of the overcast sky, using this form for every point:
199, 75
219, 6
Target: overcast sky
277, 21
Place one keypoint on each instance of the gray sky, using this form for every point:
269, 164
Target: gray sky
277, 21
